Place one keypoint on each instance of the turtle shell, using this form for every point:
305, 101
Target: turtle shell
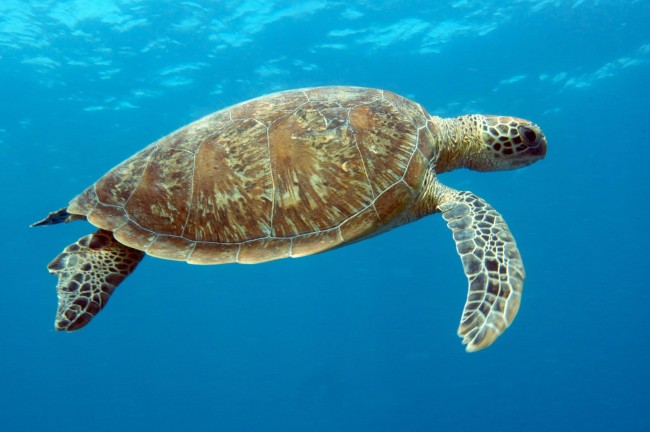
288, 174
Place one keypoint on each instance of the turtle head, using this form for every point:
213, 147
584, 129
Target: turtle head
503, 143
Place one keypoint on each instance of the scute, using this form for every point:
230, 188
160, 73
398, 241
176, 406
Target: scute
386, 145
230, 173
317, 171
289, 174
116, 187
159, 202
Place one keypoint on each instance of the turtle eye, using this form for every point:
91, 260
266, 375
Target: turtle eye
529, 135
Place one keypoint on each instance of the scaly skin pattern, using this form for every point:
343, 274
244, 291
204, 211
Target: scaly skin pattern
296, 173
492, 265
491, 260
89, 271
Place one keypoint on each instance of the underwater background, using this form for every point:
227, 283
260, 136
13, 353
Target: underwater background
362, 338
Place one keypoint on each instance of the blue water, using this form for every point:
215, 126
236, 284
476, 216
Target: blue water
361, 338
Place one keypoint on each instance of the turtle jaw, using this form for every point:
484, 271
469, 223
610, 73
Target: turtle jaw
533, 154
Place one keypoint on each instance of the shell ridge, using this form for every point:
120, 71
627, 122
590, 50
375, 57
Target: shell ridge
238, 252
270, 173
356, 145
97, 201
146, 165
152, 242
189, 200
408, 164
189, 255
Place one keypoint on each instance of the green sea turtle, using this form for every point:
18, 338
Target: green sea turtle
293, 174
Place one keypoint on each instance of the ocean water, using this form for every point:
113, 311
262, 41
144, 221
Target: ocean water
362, 338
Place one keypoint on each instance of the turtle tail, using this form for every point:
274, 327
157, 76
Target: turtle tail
57, 217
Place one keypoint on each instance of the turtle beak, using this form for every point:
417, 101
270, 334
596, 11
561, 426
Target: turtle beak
539, 151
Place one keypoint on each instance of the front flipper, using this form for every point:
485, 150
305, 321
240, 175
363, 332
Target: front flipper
492, 265
89, 271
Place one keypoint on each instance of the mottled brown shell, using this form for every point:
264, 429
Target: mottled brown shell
289, 174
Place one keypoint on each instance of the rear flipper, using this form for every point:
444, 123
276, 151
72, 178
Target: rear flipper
89, 271
492, 265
